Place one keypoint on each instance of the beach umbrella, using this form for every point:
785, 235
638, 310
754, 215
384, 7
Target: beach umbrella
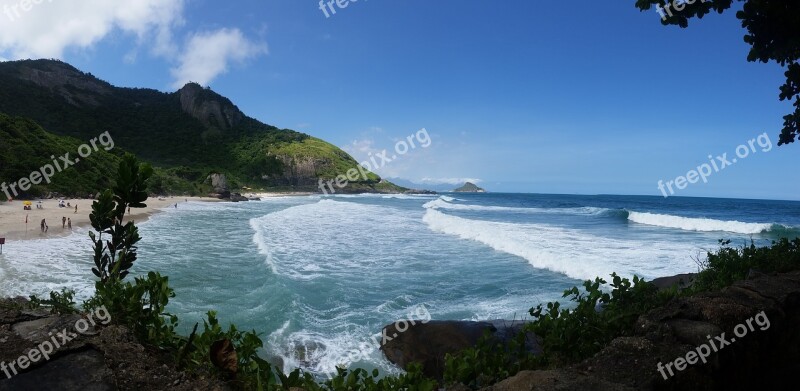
27, 203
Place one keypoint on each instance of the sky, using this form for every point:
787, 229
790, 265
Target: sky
581, 97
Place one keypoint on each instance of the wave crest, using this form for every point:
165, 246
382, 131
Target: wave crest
702, 224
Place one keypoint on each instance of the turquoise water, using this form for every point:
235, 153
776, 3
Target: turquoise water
318, 276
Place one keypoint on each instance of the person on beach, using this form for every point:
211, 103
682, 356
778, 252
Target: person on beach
63, 222
176, 206
43, 224
69, 224
76, 209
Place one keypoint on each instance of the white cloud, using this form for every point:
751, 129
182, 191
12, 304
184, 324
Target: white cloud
208, 54
46, 28
49, 28
361, 147
449, 181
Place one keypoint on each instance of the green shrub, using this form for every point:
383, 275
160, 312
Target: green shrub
488, 362
730, 264
60, 302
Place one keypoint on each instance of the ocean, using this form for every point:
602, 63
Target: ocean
319, 276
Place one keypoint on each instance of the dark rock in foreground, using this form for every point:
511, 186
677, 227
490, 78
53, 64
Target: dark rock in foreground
100, 358
766, 359
682, 281
428, 343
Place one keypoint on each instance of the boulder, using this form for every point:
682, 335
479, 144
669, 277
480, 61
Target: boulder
236, 197
682, 281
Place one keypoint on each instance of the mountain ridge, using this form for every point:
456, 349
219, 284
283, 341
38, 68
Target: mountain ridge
188, 134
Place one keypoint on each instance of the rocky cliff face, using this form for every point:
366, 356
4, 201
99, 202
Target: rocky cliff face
208, 107
76, 87
299, 170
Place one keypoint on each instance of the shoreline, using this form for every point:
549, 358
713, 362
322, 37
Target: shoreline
12, 215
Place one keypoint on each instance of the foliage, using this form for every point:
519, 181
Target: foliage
773, 32
140, 305
114, 257
361, 380
61, 303
251, 368
729, 264
489, 362
570, 334
25, 147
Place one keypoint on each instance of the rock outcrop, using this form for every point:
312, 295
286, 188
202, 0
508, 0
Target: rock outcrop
210, 108
99, 358
75, 87
220, 185
300, 171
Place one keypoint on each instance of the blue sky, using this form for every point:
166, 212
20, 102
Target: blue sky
588, 97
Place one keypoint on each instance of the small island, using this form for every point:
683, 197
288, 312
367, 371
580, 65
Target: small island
469, 187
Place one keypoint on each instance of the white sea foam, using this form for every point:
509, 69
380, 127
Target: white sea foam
572, 252
697, 224
42, 265
445, 202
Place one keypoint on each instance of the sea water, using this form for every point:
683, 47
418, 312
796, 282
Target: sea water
318, 276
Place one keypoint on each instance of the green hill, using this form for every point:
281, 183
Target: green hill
186, 135
26, 147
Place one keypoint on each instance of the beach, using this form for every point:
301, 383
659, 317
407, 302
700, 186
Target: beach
12, 214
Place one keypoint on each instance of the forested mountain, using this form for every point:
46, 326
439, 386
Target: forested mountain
187, 134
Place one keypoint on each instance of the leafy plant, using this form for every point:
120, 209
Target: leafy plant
361, 380
251, 370
61, 303
488, 362
571, 334
730, 264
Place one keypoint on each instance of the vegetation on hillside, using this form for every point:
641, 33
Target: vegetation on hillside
26, 147
165, 131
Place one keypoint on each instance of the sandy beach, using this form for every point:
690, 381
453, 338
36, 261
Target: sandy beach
12, 215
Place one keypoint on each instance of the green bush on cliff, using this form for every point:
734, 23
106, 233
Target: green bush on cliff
731, 264
488, 362
571, 334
